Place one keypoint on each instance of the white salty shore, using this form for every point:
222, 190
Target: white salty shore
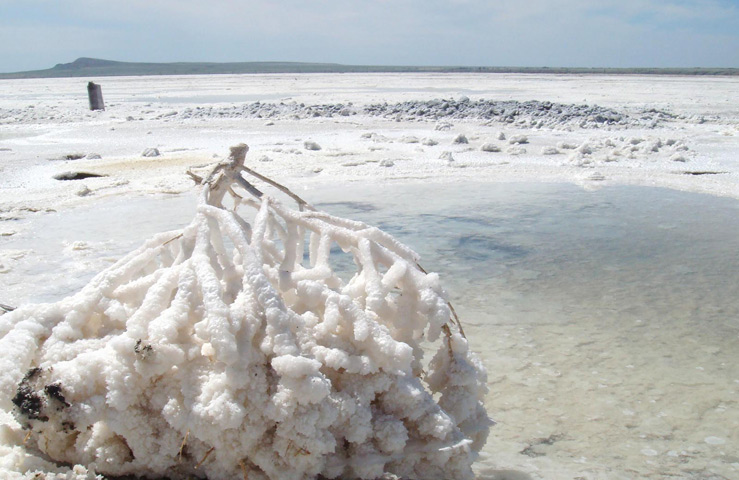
692, 146
676, 132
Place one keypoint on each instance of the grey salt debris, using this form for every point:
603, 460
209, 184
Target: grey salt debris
429, 142
93, 156
530, 114
516, 150
596, 177
460, 139
64, 176
375, 137
387, 163
566, 146
585, 149
501, 136
151, 152
653, 146
310, 145
446, 156
265, 158
549, 151
579, 160
680, 147
518, 140
490, 147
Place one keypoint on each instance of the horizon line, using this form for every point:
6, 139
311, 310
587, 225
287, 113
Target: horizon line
84, 66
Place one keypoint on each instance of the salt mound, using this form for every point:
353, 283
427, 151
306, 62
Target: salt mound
219, 351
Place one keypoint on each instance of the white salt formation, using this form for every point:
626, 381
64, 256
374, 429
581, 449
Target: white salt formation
222, 351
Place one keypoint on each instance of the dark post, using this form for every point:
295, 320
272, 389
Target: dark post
95, 93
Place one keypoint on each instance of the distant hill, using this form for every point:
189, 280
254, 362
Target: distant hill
93, 67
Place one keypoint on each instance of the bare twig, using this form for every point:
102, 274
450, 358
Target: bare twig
457, 322
196, 178
236, 195
182, 446
254, 191
172, 239
205, 457
448, 340
7, 308
456, 319
301, 203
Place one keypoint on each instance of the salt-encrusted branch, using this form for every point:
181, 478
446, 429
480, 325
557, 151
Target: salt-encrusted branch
240, 331
301, 203
229, 172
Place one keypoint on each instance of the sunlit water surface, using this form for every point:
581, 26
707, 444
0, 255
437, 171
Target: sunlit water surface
608, 320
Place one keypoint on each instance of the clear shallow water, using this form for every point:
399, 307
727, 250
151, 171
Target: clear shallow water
608, 320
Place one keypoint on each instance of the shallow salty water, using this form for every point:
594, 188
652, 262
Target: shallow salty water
608, 320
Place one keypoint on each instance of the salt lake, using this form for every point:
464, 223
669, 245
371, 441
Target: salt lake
607, 318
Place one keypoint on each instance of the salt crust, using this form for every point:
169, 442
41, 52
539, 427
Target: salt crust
219, 351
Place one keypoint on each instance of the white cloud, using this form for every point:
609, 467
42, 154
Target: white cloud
471, 32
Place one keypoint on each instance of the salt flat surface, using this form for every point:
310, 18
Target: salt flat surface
570, 378
678, 132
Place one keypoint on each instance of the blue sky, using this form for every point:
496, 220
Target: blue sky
36, 34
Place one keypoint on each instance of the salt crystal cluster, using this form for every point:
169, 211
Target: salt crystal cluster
235, 350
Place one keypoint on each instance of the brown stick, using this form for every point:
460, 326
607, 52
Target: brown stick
301, 203
457, 322
172, 239
205, 457
456, 319
448, 341
195, 178
182, 446
243, 469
